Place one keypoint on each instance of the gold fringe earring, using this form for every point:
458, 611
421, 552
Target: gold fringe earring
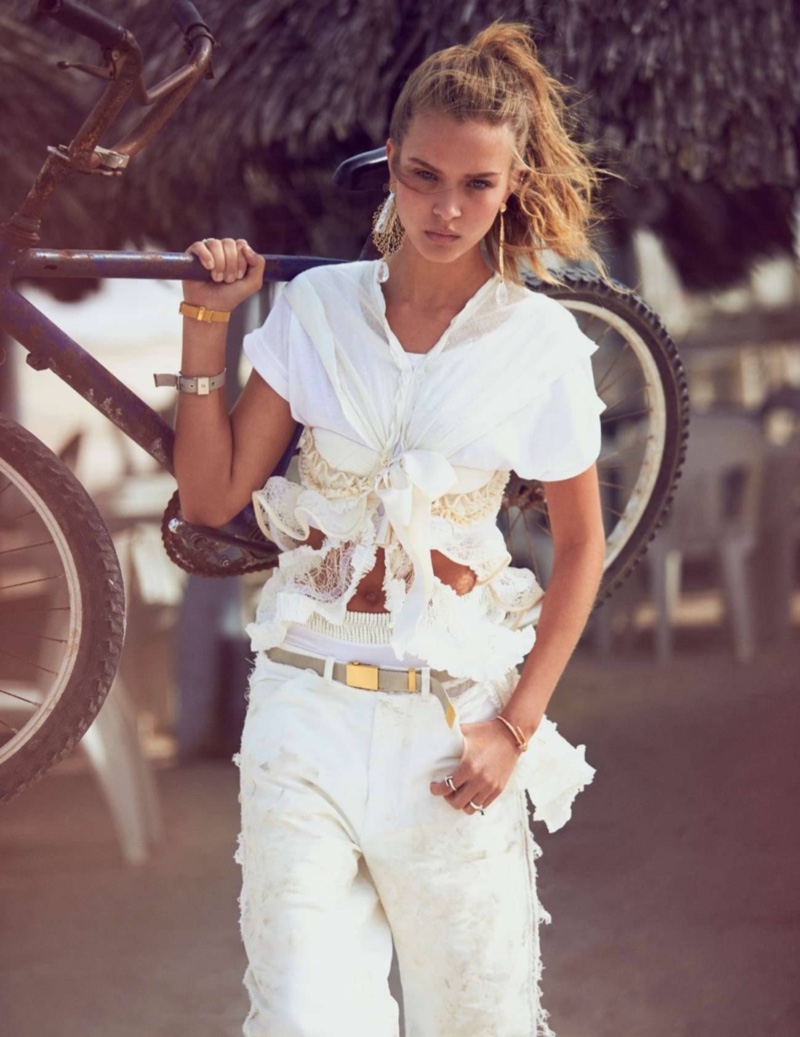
501, 293
387, 233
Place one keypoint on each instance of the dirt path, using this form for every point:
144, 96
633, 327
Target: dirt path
673, 890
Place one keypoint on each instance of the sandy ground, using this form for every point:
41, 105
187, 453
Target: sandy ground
673, 890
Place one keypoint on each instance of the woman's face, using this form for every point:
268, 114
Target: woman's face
450, 180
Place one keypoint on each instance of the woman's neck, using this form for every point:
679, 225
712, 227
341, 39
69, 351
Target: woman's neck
432, 286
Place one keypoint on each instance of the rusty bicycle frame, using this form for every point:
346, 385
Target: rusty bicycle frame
47, 345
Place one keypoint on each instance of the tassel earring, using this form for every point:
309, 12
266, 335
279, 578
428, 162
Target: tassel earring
501, 292
387, 233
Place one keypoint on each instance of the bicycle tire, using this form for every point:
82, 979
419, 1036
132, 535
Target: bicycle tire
652, 491
81, 565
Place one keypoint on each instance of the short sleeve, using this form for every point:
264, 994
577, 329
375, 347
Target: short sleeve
267, 348
561, 436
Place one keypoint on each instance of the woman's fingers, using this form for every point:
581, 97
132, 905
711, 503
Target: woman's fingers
203, 253
228, 259
230, 252
471, 789
246, 257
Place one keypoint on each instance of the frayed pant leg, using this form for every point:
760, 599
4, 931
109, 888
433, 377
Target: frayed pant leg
459, 890
317, 940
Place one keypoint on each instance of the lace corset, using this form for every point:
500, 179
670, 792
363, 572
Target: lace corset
411, 505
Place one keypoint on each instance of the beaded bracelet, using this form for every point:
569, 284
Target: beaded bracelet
517, 732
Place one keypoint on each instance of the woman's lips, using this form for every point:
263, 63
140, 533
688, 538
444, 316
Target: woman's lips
442, 236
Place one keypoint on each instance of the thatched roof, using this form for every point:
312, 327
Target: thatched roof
690, 92
704, 89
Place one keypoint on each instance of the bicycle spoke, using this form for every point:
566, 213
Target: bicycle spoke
27, 547
29, 583
617, 403
19, 698
13, 520
631, 414
617, 380
593, 318
611, 366
26, 662
35, 635
612, 485
619, 451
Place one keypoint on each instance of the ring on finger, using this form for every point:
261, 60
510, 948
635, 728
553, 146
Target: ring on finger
450, 783
475, 806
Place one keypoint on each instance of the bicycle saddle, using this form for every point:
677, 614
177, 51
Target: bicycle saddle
365, 172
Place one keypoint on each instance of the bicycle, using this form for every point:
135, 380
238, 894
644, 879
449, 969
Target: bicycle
62, 608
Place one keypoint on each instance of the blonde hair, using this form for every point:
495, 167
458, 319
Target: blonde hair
497, 78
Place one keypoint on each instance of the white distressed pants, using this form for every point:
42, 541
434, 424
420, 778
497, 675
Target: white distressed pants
344, 848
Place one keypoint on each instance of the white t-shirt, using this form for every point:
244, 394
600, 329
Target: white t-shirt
543, 422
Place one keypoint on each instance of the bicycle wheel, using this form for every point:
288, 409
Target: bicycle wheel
639, 375
62, 609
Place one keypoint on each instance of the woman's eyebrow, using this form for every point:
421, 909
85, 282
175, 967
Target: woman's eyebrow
468, 176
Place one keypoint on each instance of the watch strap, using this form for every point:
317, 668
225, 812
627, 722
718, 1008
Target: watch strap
204, 313
202, 385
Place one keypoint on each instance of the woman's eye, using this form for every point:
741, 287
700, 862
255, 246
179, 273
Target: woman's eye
424, 174
481, 185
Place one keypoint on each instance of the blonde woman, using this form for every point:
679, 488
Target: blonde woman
391, 738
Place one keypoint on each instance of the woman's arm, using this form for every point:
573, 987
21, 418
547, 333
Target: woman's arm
576, 525
491, 752
220, 458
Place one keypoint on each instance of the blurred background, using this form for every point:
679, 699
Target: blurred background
673, 891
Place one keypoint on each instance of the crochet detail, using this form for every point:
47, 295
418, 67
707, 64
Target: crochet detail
461, 508
475, 635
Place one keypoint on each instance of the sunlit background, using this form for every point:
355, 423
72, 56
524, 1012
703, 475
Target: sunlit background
673, 890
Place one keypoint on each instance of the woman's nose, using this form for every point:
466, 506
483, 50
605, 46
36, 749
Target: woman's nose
447, 205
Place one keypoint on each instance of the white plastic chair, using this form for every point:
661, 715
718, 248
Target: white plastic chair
715, 513
124, 774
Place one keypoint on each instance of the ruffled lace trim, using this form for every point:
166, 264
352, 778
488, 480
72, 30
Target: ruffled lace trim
553, 771
464, 508
476, 635
540, 917
462, 634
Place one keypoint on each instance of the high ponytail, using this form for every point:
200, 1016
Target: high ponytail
498, 78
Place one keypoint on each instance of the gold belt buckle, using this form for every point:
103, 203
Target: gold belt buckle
361, 675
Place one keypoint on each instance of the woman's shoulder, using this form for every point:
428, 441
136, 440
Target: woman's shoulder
536, 337
337, 277
533, 298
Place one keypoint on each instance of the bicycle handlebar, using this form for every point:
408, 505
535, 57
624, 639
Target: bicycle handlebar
186, 16
85, 21
125, 64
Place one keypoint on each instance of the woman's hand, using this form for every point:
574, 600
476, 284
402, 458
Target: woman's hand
489, 758
237, 272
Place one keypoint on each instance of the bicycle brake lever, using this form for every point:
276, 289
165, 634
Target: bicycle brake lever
105, 162
98, 71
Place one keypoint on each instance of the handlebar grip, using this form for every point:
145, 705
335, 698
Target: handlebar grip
186, 16
84, 21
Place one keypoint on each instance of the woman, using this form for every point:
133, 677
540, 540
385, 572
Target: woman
385, 759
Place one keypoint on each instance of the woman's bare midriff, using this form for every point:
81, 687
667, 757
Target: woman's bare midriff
369, 595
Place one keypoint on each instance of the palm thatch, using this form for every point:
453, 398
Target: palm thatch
689, 100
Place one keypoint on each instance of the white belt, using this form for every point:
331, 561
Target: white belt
373, 678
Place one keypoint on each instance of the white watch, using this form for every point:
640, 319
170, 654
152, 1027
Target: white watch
200, 384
